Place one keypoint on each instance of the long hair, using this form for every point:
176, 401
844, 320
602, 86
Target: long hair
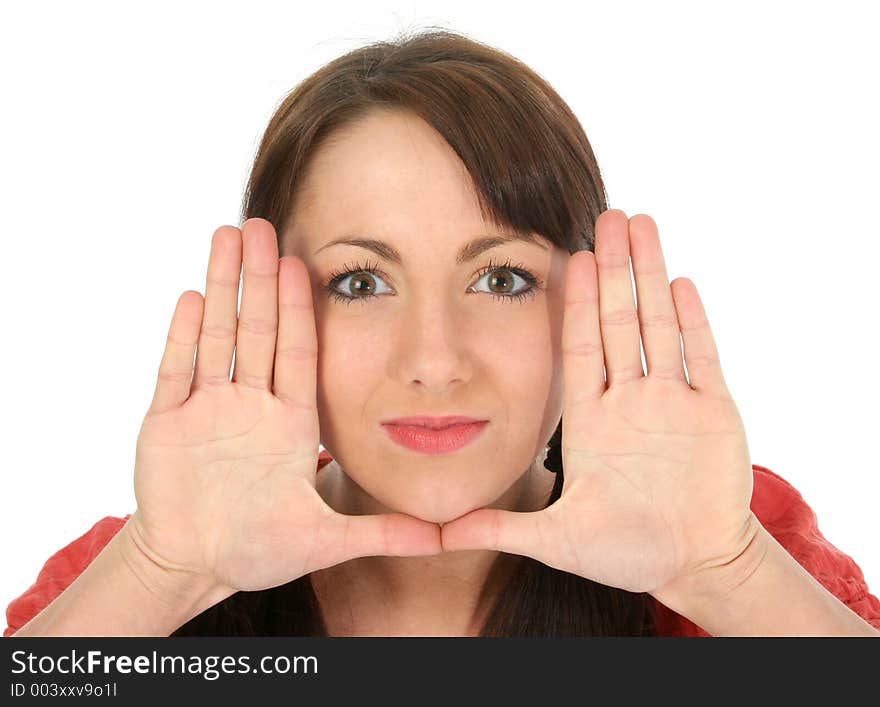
534, 171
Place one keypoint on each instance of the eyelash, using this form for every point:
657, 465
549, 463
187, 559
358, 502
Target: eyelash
533, 283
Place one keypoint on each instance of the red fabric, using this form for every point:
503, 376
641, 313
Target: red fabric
777, 504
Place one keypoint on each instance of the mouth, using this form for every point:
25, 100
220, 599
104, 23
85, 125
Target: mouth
434, 423
441, 438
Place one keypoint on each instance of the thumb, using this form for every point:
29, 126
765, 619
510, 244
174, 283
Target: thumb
496, 529
348, 537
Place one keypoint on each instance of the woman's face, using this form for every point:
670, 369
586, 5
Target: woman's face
429, 335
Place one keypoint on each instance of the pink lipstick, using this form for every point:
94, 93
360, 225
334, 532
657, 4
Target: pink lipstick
434, 435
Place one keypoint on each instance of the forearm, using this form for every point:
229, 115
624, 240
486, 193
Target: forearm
768, 593
122, 593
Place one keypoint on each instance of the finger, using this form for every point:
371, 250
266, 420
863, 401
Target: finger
258, 318
582, 358
497, 529
661, 336
176, 367
296, 354
217, 337
700, 351
389, 534
617, 309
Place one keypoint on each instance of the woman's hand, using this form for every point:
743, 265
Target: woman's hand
225, 469
657, 474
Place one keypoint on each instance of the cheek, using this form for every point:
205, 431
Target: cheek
535, 372
351, 363
536, 393
533, 351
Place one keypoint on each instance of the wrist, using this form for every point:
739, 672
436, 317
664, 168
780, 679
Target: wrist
766, 592
689, 595
122, 592
178, 594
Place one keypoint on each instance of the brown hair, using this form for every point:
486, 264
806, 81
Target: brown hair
534, 171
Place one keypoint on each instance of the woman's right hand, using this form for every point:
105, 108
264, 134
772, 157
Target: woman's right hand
225, 469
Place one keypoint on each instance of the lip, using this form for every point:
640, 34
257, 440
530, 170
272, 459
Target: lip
425, 440
435, 423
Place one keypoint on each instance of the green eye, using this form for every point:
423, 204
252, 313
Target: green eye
529, 290
370, 273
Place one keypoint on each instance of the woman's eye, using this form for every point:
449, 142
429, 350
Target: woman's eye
504, 282
357, 285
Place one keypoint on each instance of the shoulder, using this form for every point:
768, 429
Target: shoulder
775, 501
60, 570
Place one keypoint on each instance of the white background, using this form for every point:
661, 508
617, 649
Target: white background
749, 133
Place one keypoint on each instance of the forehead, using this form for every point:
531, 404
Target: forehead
388, 167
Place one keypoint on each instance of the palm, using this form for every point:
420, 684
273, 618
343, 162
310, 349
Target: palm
233, 463
648, 460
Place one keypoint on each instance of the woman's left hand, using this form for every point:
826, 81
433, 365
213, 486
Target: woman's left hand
657, 474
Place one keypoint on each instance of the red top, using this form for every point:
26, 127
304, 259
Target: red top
777, 504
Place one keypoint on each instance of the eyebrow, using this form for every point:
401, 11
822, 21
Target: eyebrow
468, 252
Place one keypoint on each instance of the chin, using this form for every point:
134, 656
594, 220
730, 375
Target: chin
439, 509
440, 517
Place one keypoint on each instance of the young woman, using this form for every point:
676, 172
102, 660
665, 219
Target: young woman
426, 235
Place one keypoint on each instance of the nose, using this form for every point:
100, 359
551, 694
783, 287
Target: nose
434, 340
